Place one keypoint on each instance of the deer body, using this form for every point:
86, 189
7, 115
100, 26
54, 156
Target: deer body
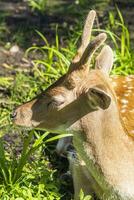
107, 154
113, 147
84, 103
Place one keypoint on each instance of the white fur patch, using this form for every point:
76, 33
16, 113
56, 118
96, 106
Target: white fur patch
129, 91
126, 94
130, 87
123, 110
124, 101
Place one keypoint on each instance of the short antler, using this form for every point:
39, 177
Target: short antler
87, 30
87, 48
91, 48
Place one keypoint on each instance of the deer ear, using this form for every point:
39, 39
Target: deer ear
104, 60
98, 98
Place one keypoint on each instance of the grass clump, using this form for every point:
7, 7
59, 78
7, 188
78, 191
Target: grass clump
25, 172
28, 176
37, 5
124, 59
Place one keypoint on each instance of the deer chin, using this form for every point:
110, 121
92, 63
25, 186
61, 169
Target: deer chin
28, 124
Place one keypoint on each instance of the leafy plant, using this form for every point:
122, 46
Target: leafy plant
83, 197
14, 171
11, 171
38, 5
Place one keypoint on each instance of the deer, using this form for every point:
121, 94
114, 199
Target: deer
95, 108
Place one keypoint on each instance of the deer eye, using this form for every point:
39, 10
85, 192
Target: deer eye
55, 101
54, 104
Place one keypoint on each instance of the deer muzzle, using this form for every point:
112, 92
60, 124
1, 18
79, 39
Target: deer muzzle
22, 115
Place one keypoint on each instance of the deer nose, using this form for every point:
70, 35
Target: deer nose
13, 115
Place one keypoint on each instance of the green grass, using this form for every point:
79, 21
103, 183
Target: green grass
124, 55
21, 177
38, 5
28, 174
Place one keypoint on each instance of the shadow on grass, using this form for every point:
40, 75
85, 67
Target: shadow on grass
18, 22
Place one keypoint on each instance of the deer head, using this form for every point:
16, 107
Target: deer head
75, 94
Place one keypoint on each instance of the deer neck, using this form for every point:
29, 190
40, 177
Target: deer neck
107, 151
